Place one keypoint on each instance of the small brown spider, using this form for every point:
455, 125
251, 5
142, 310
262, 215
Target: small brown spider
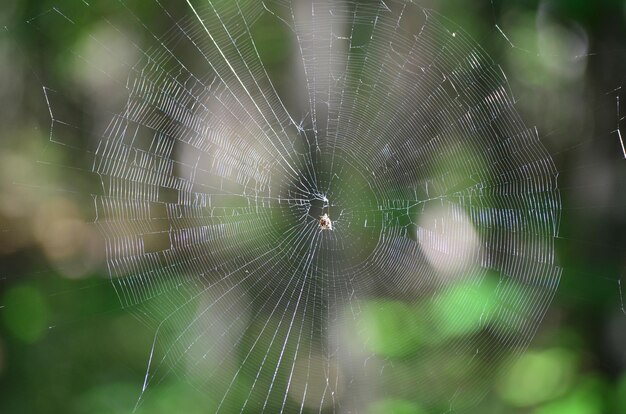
325, 222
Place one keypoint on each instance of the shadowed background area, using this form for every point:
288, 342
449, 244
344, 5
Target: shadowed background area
164, 167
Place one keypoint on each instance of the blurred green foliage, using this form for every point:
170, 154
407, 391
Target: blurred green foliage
67, 346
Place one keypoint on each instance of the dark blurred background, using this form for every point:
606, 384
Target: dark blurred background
66, 345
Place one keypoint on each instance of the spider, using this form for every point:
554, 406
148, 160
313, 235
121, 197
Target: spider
325, 223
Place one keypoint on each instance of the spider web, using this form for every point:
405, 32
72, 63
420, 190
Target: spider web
213, 176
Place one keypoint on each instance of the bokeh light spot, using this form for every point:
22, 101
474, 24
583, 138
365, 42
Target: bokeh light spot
390, 328
463, 307
585, 399
537, 377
